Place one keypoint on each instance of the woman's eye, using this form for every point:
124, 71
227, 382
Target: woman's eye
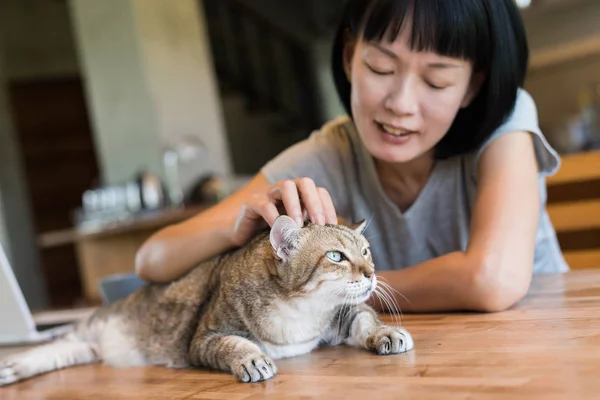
378, 71
335, 256
436, 87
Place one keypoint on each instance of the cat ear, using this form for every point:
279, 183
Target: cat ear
342, 221
359, 227
284, 236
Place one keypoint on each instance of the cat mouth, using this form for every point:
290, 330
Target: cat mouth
367, 292
363, 296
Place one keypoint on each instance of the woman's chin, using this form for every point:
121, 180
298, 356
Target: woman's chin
394, 156
391, 153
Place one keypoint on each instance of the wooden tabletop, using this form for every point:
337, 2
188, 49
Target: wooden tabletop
548, 347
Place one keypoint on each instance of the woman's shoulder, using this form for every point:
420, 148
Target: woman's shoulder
334, 135
523, 118
324, 144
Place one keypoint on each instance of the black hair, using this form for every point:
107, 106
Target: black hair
488, 33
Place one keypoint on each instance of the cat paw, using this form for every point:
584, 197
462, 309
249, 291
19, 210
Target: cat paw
8, 373
390, 340
255, 369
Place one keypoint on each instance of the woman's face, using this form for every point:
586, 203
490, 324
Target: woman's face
404, 102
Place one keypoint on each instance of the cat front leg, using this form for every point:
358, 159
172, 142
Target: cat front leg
367, 331
234, 354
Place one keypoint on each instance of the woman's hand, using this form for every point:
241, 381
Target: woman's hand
299, 198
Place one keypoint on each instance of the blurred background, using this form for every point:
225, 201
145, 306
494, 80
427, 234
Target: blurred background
119, 117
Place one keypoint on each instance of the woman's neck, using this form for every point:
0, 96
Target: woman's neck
403, 182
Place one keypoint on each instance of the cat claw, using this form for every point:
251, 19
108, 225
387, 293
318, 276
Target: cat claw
390, 340
256, 369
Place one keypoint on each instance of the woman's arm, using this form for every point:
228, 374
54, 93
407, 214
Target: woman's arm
495, 271
174, 250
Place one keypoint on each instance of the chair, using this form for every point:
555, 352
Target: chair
574, 208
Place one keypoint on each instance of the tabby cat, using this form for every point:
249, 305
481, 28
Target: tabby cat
283, 294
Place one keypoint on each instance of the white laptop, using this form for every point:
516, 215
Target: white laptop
17, 324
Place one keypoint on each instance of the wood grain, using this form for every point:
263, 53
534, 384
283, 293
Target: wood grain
583, 258
574, 208
577, 167
547, 347
576, 215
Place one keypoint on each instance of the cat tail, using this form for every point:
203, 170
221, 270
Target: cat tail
67, 351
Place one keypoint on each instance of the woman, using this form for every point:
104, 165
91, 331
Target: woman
441, 152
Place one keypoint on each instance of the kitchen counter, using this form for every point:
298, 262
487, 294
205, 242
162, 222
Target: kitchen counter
111, 249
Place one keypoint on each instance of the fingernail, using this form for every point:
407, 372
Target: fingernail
299, 221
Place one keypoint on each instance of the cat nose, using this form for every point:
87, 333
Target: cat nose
368, 274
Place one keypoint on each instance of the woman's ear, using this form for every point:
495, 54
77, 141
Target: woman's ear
474, 86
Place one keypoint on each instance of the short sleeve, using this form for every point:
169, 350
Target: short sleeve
525, 118
319, 157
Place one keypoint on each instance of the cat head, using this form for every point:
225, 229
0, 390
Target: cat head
332, 262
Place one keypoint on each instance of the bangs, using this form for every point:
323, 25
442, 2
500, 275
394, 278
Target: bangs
449, 28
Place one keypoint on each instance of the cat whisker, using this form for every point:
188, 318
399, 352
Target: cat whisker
385, 297
390, 291
341, 314
391, 304
383, 281
369, 221
330, 299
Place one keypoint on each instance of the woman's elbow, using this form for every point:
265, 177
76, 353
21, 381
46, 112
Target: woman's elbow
148, 261
496, 289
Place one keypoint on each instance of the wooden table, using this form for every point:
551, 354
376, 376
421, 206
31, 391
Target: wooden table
548, 347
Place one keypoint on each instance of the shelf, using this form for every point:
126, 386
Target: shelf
566, 52
577, 167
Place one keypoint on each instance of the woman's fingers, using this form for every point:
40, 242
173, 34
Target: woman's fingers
262, 207
298, 198
287, 192
311, 200
328, 207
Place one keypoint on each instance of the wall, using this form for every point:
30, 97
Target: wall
37, 39
121, 110
35, 42
181, 78
564, 23
150, 80
16, 228
556, 88
329, 100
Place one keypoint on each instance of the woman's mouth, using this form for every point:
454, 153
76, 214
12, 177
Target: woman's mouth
395, 131
393, 134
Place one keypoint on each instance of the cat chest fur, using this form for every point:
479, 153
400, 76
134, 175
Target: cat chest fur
293, 329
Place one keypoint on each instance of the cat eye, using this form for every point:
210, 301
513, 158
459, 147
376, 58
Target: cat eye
335, 256
365, 251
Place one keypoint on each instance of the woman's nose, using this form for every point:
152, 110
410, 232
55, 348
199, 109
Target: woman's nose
401, 99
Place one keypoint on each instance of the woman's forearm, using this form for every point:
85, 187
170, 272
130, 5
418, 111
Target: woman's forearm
446, 283
174, 250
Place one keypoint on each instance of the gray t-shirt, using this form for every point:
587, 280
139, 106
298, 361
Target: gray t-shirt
438, 222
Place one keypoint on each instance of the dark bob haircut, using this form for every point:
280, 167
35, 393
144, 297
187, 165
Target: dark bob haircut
488, 33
